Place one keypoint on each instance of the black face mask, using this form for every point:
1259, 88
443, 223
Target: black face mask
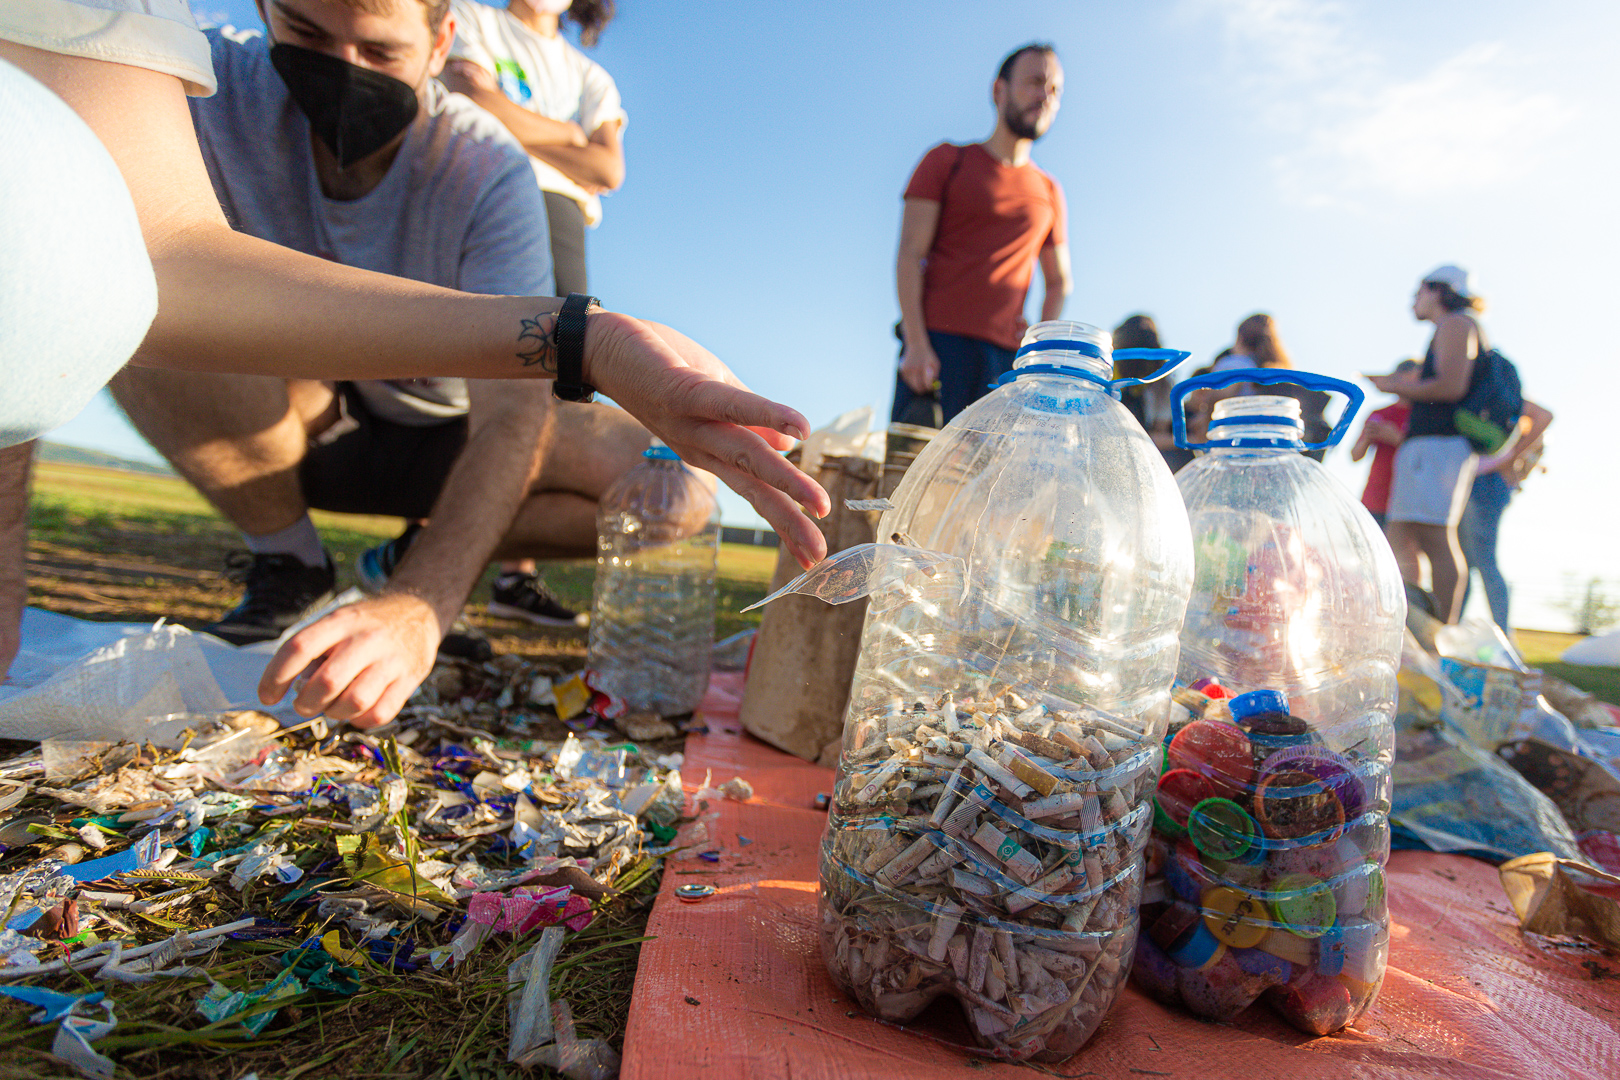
355, 112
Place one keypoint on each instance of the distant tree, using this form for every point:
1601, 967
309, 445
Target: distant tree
1593, 607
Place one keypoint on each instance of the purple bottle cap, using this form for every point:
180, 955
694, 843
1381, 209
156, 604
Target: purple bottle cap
1337, 773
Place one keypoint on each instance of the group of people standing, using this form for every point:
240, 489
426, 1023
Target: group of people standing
978, 219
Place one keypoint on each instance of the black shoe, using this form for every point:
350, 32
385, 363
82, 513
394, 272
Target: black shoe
525, 596
279, 591
466, 642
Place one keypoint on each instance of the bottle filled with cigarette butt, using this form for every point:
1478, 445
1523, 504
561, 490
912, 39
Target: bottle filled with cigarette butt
1002, 737
652, 614
1271, 815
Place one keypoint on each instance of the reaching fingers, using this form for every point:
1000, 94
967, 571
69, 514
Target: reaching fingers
801, 537
710, 399
297, 654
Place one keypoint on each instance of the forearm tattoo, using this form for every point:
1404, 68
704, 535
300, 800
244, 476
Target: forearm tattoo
537, 343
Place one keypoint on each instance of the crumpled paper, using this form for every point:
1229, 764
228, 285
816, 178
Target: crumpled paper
1548, 901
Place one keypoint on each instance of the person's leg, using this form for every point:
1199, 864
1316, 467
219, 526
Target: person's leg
590, 447
960, 367
237, 438
994, 362
1403, 541
567, 224
1477, 533
1447, 569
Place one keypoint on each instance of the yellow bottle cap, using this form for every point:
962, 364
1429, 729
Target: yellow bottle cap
1236, 918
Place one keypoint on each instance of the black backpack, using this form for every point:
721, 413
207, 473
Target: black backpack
1490, 410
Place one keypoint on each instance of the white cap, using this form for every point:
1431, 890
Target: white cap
1459, 280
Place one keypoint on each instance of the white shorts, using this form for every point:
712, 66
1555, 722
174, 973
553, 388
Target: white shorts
1432, 480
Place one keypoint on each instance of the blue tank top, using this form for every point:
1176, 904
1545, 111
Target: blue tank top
1435, 417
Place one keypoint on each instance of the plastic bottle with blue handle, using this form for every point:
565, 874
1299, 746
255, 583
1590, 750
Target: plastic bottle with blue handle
1000, 744
1271, 817
652, 614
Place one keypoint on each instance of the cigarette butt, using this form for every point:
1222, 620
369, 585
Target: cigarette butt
947, 917
1020, 765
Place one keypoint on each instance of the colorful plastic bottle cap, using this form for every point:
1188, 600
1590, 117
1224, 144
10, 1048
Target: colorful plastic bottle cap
1317, 1005
1209, 688
1335, 770
1184, 872
1375, 892
1351, 884
1218, 750
1197, 949
1330, 951
1221, 829
1296, 950
1236, 918
694, 893
1176, 923
1302, 905
1292, 804
1261, 964
1179, 791
1258, 701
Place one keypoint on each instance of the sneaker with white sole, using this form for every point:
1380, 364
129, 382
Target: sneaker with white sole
525, 596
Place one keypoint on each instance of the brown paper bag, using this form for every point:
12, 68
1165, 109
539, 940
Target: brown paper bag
804, 655
1548, 901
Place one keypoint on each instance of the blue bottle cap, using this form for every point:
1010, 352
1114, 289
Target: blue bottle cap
1274, 969
1330, 952
1199, 949
1256, 702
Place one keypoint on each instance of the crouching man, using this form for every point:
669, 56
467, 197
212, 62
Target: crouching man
332, 138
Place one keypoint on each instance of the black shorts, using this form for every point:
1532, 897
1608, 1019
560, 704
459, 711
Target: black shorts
366, 465
567, 224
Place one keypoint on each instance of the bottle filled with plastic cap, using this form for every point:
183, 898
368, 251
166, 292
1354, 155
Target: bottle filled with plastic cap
652, 615
1271, 815
1002, 737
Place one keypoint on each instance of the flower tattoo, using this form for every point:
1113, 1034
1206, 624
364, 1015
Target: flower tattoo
537, 343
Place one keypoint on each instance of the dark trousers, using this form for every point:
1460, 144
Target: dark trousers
567, 224
967, 367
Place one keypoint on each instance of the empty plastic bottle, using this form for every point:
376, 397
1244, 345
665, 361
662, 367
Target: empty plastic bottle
1271, 822
1000, 747
652, 617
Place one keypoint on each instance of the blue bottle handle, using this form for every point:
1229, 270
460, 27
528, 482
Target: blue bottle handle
1171, 359
1308, 380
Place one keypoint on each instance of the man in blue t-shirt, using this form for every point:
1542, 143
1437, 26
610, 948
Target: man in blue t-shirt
429, 187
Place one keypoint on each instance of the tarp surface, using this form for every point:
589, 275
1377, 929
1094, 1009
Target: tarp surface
734, 986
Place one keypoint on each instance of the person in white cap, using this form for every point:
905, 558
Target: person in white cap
1434, 467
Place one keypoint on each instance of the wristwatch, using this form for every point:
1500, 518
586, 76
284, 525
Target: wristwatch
570, 384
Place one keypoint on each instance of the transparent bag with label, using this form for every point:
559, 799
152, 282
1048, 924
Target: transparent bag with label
1271, 815
1001, 741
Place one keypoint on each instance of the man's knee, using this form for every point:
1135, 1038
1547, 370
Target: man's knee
591, 446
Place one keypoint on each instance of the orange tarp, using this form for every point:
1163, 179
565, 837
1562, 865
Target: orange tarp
734, 986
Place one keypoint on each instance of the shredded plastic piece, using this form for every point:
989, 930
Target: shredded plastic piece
868, 568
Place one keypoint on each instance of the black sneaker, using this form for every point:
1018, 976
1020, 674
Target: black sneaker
525, 596
279, 591
466, 642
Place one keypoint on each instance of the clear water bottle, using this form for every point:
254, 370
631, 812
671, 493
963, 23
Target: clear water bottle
1001, 745
1271, 822
652, 617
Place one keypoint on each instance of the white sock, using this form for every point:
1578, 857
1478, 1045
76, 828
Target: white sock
299, 538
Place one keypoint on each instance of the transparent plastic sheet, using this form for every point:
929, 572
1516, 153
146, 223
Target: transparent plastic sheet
122, 691
871, 568
1454, 795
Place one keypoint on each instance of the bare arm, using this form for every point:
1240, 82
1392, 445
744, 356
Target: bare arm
15, 464
1456, 346
595, 161
230, 302
372, 655
1058, 276
1526, 436
918, 222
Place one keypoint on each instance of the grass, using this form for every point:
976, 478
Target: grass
1542, 648
106, 511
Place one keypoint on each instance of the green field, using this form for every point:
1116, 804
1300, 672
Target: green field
106, 511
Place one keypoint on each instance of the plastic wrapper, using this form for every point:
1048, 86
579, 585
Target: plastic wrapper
1271, 827
985, 835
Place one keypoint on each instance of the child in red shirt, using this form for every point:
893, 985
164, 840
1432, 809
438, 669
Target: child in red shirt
1382, 432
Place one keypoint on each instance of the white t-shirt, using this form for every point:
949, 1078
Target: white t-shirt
159, 35
457, 208
76, 287
544, 75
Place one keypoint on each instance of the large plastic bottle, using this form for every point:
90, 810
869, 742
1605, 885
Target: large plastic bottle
1271, 825
1000, 748
652, 617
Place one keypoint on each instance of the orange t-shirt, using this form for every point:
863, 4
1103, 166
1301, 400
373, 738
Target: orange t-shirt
992, 227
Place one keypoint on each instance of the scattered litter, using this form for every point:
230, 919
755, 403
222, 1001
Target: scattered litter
737, 788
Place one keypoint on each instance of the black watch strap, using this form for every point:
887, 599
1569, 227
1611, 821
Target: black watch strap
570, 384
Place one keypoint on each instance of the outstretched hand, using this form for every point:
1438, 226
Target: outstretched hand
363, 661
692, 401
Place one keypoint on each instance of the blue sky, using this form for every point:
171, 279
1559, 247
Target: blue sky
1220, 157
